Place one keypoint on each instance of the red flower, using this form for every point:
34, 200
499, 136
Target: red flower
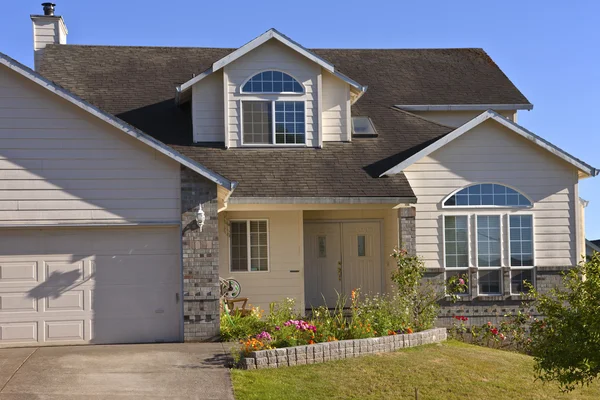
494, 331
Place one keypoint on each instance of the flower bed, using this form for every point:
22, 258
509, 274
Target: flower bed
336, 350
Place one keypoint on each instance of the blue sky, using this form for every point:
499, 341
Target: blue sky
549, 49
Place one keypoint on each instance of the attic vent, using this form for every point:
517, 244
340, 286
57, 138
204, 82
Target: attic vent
363, 127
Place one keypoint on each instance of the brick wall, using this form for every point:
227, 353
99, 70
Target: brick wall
200, 257
481, 309
406, 229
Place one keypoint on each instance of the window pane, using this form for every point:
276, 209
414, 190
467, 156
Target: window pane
518, 278
521, 240
489, 281
290, 119
239, 248
272, 82
258, 127
488, 194
488, 240
456, 245
361, 245
258, 246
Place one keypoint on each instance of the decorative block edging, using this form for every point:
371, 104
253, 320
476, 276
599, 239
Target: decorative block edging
322, 352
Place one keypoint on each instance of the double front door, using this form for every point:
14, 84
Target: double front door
340, 257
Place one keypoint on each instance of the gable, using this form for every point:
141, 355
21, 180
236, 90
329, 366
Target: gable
272, 55
272, 35
121, 125
584, 169
62, 165
493, 153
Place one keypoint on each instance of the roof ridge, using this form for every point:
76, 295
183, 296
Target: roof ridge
235, 48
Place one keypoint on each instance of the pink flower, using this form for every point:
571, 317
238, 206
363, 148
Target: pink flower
264, 335
489, 323
461, 281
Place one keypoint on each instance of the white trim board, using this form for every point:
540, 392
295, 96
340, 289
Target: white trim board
114, 121
490, 114
256, 42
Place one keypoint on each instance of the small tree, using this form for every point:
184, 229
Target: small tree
566, 342
420, 296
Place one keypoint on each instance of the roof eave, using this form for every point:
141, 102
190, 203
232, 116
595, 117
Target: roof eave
464, 107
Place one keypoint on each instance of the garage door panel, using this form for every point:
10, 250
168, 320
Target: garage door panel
11, 302
19, 332
140, 330
69, 301
64, 330
63, 273
14, 272
82, 292
113, 301
136, 270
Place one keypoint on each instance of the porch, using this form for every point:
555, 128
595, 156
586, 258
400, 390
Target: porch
311, 252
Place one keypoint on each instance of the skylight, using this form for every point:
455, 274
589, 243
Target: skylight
363, 126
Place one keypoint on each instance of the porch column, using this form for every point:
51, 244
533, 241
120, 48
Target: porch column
200, 257
407, 229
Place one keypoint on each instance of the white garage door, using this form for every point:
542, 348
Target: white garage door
89, 285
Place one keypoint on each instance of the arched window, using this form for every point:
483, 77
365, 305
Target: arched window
272, 82
487, 195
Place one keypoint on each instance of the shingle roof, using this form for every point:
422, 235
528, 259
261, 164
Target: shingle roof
138, 85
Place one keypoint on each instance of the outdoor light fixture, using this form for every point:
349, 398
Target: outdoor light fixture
200, 217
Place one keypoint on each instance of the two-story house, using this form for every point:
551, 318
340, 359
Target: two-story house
133, 177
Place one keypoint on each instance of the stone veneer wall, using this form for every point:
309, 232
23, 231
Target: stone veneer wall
407, 229
481, 309
200, 258
323, 352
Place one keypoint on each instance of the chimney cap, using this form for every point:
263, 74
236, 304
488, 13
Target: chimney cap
49, 8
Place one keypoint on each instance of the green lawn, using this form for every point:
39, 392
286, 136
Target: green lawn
451, 370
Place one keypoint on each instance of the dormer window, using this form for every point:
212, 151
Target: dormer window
272, 82
278, 115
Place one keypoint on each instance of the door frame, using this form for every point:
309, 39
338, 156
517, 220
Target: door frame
379, 221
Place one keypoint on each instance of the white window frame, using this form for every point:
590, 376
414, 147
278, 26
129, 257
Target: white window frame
249, 260
269, 93
487, 206
454, 269
498, 268
517, 268
273, 100
468, 241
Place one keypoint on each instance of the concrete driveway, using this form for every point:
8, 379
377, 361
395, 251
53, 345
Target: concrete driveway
144, 371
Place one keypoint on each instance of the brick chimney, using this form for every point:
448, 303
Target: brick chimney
47, 29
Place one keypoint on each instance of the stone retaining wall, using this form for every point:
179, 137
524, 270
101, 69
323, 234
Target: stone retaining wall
322, 352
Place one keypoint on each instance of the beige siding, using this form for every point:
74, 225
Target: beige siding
336, 109
286, 254
492, 153
458, 118
389, 219
272, 55
58, 164
207, 109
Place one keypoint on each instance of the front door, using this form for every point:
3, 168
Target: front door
340, 257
